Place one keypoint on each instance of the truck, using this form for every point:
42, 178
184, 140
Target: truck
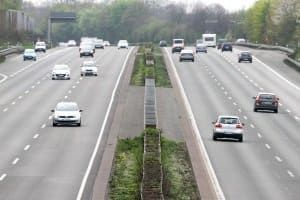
209, 39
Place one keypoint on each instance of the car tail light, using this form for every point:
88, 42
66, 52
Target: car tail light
257, 100
218, 125
239, 126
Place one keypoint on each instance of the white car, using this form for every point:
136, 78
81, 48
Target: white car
99, 44
186, 54
66, 113
61, 72
40, 46
89, 67
29, 54
122, 44
228, 127
72, 43
106, 43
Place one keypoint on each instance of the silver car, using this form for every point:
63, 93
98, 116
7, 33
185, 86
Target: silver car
61, 72
66, 113
89, 67
228, 127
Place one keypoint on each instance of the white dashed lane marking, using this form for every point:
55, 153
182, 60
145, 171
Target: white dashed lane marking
259, 135
290, 174
13, 103
20, 97
245, 117
26, 92
5, 109
2, 177
252, 126
26, 147
36, 136
278, 159
16, 160
66, 97
43, 126
268, 146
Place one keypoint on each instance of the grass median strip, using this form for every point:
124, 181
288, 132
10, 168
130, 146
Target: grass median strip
178, 178
156, 70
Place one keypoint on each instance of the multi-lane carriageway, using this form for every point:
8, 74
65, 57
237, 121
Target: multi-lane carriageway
39, 161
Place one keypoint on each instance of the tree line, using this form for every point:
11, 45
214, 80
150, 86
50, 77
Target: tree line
267, 21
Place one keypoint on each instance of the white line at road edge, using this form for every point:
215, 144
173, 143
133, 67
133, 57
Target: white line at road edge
4, 78
91, 162
208, 165
277, 74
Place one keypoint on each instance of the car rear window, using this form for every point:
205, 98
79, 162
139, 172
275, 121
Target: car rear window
266, 96
229, 120
178, 41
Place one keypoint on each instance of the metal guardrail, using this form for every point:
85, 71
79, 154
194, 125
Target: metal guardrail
11, 50
264, 46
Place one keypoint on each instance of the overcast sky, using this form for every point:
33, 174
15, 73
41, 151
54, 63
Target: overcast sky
230, 5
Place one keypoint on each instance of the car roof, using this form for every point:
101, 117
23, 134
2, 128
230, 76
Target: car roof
266, 93
89, 61
228, 116
61, 65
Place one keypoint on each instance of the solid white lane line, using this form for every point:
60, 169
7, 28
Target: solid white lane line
212, 175
259, 135
268, 146
277, 74
26, 147
2, 177
92, 159
290, 174
4, 77
278, 159
5, 109
252, 126
43, 126
15, 161
36, 136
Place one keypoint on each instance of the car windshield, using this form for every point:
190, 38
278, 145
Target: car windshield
89, 64
178, 41
228, 120
67, 107
29, 50
245, 54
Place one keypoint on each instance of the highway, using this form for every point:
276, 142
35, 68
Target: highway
266, 164
38, 161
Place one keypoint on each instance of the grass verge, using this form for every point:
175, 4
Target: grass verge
2, 58
179, 181
127, 170
178, 177
157, 71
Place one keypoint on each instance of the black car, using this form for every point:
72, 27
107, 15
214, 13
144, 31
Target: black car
245, 56
226, 47
266, 101
163, 43
220, 43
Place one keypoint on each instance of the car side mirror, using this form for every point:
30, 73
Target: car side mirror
52, 110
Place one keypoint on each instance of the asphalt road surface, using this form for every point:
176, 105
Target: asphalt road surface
266, 164
38, 161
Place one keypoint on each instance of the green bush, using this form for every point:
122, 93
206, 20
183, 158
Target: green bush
2, 58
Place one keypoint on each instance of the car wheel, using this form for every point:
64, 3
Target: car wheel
53, 78
250, 61
81, 74
78, 124
255, 109
54, 124
276, 110
239, 61
214, 137
24, 59
96, 74
193, 60
240, 139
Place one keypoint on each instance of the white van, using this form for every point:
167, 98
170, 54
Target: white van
209, 39
178, 45
40, 46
